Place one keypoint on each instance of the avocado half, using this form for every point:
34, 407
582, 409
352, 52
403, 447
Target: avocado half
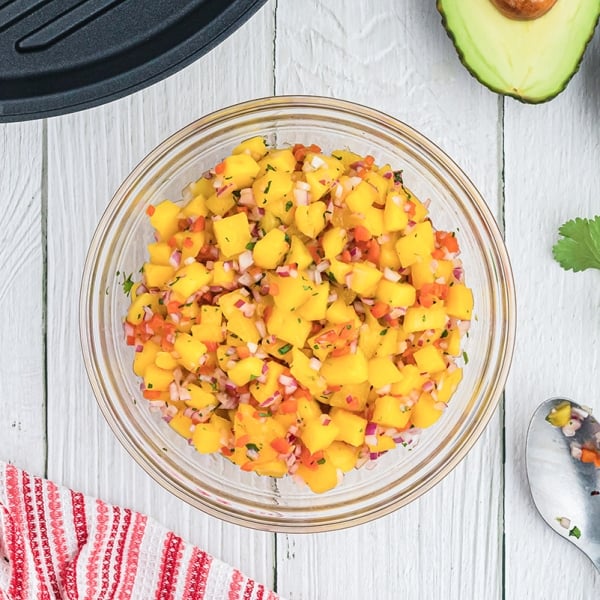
531, 60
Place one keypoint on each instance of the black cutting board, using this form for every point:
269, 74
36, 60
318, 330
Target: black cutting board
58, 56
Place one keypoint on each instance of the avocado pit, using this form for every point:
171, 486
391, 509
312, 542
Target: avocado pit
523, 10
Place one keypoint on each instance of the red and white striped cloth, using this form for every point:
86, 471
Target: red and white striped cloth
59, 544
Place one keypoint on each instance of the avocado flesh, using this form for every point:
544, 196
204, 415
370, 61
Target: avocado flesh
530, 60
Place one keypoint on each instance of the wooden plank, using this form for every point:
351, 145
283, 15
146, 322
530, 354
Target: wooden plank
552, 157
398, 59
22, 388
90, 153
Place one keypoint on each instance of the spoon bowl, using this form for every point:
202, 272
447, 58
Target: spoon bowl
562, 437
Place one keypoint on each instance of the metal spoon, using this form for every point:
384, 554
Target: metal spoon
566, 491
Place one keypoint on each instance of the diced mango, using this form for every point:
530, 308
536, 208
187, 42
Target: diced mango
340, 312
270, 251
221, 276
299, 254
350, 368
320, 479
182, 425
255, 147
447, 384
196, 207
271, 187
165, 360
396, 294
418, 244
351, 426
278, 160
382, 372
246, 370
290, 292
364, 279
394, 215
429, 359
319, 433
220, 202
155, 276
411, 380
382, 444
454, 342
315, 308
200, 398
190, 278
334, 240
160, 253
459, 302
361, 198
136, 313
342, 456
190, 351
262, 391
164, 219
232, 233
391, 411
352, 396
240, 170
424, 413
288, 326
157, 379
145, 357
310, 220
305, 374
243, 327
418, 318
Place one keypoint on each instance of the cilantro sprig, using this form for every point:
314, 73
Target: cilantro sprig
579, 247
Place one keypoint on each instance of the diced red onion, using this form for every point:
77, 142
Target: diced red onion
175, 259
371, 428
301, 197
391, 275
314, 363
323, 266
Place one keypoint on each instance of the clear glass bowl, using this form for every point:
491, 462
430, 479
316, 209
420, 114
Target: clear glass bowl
212, 483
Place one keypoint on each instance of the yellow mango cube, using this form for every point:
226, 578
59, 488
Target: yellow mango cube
222, 277
310, 220
190, 278
243, 327
145, 357
342, 456
291, 292
160, 253
352, 396
232, 233
334, 241
447, 384
278, 160
339, 312
338, 270
391, 411
196, 207
319, 433
382, 444
246, 370
272, 187
373, 220
350, 368
157, 379
424, 413
453, 341
272, 468
351, 426
361, 198
206, 438
135, 314
315, 308
459, 302
262, 391
411, 380
240, 170
164, 219
220, 203
256, 147
165, 360
364, 279
305, 374
200, 398
381, 184
299, 254
396, 294
394, 216
155, 276
270, 251
418, 244
320, 479
383, 371
429, 359
288, 326
190, 351
419, 318
182, 425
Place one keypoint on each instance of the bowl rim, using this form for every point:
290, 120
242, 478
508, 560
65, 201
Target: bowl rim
508, 300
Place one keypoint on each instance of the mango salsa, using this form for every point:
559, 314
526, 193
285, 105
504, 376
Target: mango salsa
298, 312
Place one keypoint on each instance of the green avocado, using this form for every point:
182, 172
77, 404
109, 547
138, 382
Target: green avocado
531, 60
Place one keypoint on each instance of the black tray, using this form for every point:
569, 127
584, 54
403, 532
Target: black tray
57, 56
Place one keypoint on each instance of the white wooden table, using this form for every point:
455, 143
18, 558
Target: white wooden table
476, 535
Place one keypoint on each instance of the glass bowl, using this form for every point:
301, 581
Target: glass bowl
212, 483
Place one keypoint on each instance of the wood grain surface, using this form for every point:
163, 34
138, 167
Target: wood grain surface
476, 534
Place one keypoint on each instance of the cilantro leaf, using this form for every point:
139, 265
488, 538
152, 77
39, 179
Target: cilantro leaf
127, 284
575, 532
579, 248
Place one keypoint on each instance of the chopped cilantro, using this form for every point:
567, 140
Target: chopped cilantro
465, 358
149, 386
398, 177
127, 284
252, 447
236, 194
579, 248
575, 532
321, 461
336, 156
266, 190
306, 288
444, 334
288, 205
383, 332
331, 277
284, 349
250, 245
270, 168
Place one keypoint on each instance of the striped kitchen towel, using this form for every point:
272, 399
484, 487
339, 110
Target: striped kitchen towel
59, 544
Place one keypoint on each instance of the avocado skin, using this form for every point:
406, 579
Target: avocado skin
522, 98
